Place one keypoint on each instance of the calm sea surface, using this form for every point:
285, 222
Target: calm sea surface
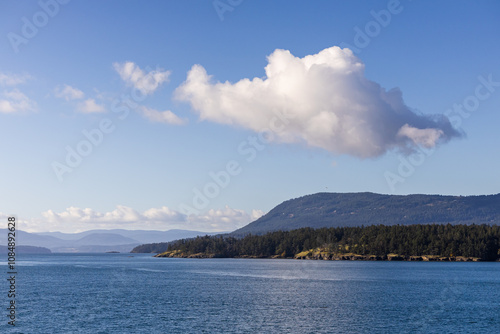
116, 293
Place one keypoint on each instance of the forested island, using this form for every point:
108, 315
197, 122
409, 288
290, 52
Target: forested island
363, 226
420, 242
26, 250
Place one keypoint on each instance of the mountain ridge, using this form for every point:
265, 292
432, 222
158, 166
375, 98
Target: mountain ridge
366, 208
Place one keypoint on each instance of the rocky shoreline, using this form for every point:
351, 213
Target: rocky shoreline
388, 257
333, 257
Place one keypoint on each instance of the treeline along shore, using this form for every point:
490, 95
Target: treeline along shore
377, 242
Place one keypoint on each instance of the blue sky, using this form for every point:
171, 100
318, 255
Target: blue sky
365, 85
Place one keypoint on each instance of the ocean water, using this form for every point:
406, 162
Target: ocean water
136, 293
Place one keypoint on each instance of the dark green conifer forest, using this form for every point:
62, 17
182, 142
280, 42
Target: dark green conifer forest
479, 241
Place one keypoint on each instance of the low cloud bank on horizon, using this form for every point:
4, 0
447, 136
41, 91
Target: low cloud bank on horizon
323, 100
74, 220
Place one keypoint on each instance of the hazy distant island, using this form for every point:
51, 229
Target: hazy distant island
26, 250
94, 241
359, 226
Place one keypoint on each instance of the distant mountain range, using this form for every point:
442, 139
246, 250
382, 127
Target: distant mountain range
94, 240
357, 209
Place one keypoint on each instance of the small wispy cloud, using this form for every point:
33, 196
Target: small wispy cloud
146, 83
424, 137
166, 116
68, 93
13, 79
90, 106
14, 101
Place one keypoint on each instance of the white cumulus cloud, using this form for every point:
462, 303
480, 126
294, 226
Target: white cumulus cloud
90, 106
226, 219
146, 83
68, 93
14, 101
75, 219
161, 116
256, 214
323, 100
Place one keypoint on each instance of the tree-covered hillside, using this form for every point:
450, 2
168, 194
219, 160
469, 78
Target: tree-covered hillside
478, 241
356, 209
